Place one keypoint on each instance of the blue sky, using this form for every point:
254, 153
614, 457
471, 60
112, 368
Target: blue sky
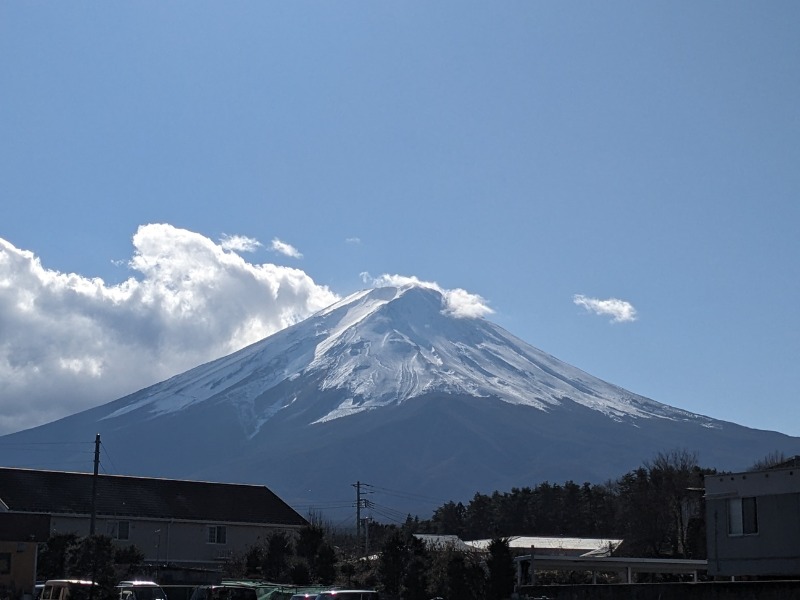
543, 156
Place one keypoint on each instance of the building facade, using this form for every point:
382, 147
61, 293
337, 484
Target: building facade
753, 522
184, 523
20, 535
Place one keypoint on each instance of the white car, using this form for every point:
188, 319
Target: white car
63, 589
140, 590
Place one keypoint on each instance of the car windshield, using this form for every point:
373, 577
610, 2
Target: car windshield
142, 592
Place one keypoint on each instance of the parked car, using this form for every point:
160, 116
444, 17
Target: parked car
38, 588
140, 590
66, 589
348, 595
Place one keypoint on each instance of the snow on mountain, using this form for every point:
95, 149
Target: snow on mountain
388, 345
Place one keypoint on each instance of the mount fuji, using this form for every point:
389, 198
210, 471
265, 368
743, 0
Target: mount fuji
395, 387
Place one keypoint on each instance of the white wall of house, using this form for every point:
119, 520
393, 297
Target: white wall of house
188, 543
753, 523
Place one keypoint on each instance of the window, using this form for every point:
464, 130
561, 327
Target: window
742, 516
119, 530
5, 563
217, 534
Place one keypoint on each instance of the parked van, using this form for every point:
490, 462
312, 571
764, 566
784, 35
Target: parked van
65, 589
140, 590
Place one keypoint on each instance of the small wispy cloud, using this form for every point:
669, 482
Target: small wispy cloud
285, 249
239, 243
620, 311
353, 240
457, 302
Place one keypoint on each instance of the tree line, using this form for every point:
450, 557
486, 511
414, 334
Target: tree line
657, 509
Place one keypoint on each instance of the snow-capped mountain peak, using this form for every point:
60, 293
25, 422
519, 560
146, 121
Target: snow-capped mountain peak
397, 344
385, 346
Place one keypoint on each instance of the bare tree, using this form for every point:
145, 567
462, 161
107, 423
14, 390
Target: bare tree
770, 460
675, 475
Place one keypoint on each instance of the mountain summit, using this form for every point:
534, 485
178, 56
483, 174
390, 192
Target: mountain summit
383, 347
394, 386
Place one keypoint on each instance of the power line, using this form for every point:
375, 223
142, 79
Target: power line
325, 504
55, 463
108, 456
341, 524
387, 512
24, 444
406, 495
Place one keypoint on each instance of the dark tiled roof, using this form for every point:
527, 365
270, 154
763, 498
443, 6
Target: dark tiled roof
54, 492
15, 527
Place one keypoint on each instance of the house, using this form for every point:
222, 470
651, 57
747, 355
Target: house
20, 535
753, 522
184, 523
588, 555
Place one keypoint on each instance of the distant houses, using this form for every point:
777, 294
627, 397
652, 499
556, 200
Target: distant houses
183, 523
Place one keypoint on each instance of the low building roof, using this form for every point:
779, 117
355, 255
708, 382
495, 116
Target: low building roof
550, 545
443, 542
59, 492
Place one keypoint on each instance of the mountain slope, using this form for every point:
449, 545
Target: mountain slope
392, 386
383, 347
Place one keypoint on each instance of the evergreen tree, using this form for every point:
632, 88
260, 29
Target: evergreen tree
448, 519
299, 573
326, 564
92, 558
415, 578
456, 574
309, 542
392, 563
52, 559
131, 558
276, 558
500, 581
479, 518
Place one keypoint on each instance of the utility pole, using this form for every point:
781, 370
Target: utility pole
94, 483
361, 503
357, 485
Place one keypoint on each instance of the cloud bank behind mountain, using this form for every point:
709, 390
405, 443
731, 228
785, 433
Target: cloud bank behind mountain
70, 342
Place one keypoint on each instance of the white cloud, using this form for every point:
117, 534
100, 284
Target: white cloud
239, 243
285, 249
458, 302
620, 311
70, 342
353, 240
